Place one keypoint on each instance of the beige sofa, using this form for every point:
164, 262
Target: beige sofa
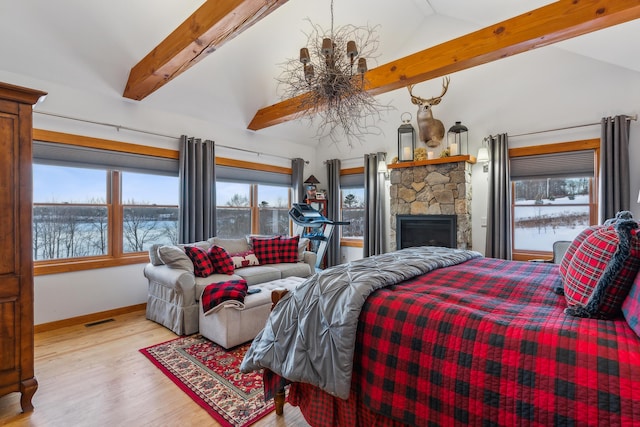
174, 291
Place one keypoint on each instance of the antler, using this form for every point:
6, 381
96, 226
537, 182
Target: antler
436, 100
431, 101
416, 100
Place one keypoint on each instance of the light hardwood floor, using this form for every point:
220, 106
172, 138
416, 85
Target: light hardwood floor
95, 376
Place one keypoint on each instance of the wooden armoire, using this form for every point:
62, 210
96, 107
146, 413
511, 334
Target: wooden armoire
16, 265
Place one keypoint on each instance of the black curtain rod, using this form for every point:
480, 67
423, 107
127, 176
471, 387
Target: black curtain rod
633, 117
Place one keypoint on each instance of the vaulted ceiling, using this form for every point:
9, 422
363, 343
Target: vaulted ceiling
227, 74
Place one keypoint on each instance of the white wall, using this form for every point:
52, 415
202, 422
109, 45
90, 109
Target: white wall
67, 295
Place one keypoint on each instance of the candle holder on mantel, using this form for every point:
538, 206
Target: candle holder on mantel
406, 139
458, 140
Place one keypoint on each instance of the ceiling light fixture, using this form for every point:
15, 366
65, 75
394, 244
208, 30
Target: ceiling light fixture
330, 73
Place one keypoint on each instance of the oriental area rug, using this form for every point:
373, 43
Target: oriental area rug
211, 376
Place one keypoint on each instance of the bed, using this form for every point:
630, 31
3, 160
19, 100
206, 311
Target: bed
480, 342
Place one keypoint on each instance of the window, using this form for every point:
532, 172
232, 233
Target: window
70, 212
352, 206
99, 203
233, 209
150, 211
273, 203
553, 195
74, 212
352, 211
244, 208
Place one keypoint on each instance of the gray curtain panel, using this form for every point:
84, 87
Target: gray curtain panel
333, 211
197, 212
615, 187
375, 236
499, 202
297, 180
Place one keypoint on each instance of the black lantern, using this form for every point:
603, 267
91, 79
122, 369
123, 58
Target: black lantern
406, 139
457, 140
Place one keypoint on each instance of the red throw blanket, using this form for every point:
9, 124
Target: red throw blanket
217, 293
485, 342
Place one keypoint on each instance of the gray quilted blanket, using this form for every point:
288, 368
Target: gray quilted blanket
310, 335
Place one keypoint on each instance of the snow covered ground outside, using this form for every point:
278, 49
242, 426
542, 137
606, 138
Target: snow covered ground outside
550, 221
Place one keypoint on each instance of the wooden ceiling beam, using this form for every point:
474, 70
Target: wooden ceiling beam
549, 24
212, 25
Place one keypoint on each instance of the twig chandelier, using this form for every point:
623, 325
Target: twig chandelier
330, 73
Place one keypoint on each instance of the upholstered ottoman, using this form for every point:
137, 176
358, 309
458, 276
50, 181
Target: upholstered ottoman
231, 326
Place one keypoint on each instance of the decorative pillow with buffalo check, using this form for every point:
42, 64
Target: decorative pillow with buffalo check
202, 266
631, 306
244, 259
220, 259
289, 248
217, 293
267, 250
602, 270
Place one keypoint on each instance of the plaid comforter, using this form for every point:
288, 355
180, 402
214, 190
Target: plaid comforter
485, 342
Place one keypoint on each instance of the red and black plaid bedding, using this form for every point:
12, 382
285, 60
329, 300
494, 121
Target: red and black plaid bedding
485, 342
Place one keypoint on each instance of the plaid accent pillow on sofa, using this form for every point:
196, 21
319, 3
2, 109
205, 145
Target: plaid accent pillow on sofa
220, 259
267, 250
202, 266
289, 248
602, 270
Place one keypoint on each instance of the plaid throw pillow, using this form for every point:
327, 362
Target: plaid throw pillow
573, 247
217, 293
220, 259
202, 266
631, 306
267, 250
289, 248
602, 271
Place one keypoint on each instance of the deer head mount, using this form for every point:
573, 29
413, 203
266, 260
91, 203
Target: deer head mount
430, 130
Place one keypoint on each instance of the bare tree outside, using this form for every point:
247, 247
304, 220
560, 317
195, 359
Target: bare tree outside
70, 231
353, 212
234, 218
145, 223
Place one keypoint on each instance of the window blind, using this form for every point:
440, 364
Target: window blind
555, 165
49, 153
250, 176
355, 180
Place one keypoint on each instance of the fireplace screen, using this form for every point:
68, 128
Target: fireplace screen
426, 230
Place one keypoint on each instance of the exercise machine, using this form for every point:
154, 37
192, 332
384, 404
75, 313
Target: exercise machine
311, 224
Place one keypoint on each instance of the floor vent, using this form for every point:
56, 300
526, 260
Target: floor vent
99, 322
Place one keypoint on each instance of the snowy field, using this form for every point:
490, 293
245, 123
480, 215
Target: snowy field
547, 223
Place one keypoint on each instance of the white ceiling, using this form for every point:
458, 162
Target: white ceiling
90, 46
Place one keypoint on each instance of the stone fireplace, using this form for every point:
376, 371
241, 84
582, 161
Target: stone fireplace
428, 188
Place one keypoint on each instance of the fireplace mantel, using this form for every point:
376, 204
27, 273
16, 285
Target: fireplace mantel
451, 159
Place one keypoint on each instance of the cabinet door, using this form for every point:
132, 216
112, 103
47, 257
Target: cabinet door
9, 274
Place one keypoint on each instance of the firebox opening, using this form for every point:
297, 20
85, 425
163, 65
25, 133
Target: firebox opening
426, 230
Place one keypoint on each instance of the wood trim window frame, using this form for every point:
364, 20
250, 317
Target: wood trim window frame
586, 144
116, 257
351, 241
